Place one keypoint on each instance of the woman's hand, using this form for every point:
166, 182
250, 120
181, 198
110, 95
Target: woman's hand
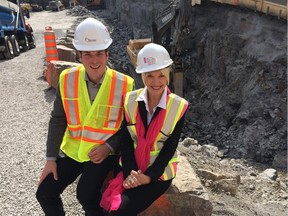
135, 179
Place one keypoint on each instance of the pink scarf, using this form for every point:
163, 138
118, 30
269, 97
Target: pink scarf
111, 198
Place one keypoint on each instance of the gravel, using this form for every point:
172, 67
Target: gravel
25, 110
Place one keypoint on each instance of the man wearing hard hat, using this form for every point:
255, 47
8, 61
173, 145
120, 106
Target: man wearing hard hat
87, 113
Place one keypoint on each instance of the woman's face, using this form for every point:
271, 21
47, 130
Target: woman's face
156, 82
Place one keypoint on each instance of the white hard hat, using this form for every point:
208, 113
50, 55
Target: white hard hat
152, 57
91, 35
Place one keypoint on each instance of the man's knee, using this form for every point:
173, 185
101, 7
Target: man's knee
85, 198
39, 195
47, 191
43, 196
90, 203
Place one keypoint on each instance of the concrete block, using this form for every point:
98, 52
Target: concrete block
66, 54
54, 68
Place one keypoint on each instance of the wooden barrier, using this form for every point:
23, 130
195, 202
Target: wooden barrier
276, 8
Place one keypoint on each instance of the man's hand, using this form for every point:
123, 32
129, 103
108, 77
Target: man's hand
99, 153
135, 179
50, 167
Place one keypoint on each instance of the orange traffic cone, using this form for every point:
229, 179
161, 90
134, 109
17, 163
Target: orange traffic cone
50, 44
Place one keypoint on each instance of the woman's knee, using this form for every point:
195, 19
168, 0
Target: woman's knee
127, 207
121, 212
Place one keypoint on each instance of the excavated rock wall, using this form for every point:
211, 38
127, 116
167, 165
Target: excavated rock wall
138, 15
235, 70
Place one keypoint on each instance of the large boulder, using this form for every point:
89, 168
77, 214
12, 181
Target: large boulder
186, 195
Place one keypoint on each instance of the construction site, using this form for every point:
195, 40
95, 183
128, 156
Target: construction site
230, 64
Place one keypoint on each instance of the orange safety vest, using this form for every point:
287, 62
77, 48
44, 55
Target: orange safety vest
90, 125
176, 107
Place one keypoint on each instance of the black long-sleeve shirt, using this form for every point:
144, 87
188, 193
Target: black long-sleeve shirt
127, 150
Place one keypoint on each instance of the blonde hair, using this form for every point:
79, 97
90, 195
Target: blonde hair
164, 71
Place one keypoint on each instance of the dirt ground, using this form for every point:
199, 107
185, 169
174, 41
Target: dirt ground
26, 105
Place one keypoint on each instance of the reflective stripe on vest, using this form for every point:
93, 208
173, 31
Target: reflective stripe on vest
175, 108
89, 124
71, 102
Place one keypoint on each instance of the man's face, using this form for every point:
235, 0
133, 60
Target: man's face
94, 62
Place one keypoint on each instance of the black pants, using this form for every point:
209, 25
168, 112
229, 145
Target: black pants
88, 188
138, 199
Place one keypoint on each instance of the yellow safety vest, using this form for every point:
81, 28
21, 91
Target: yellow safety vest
175, 108
89, 125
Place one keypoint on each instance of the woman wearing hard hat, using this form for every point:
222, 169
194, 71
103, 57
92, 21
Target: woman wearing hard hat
151, 129
87, 114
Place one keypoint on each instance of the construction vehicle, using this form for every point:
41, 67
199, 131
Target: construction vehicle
36, 8
95, 4
55, 6
161, 34
15, 34
89, 4
26, 6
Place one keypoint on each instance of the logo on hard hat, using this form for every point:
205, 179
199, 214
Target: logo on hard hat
89, 40
149, 60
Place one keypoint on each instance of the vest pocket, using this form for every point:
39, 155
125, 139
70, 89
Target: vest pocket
110, 115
